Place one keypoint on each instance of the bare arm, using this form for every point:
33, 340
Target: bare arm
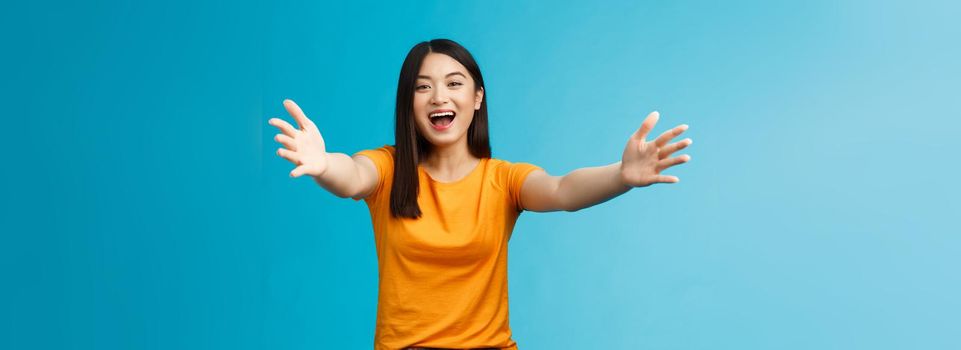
348, 177
641, 165
581, 188
338, 173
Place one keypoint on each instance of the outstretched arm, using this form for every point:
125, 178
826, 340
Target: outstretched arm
338, 173
640, 166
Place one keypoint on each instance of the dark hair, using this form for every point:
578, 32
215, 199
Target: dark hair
410, 146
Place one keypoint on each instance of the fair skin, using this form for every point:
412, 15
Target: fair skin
444, 85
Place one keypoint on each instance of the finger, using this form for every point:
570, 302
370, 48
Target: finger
666, 179
288, 155
646, 126
670, 134
284, 126
298, 171
674, 147
667, 163
287, 141
297, 113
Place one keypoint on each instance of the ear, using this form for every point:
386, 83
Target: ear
478, 98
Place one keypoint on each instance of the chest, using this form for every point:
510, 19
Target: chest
460, 224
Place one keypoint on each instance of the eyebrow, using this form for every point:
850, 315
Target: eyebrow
448, 75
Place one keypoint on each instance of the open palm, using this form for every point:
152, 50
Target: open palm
304, 145
643, 161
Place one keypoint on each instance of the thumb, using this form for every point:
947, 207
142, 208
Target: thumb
666, 179
298, 171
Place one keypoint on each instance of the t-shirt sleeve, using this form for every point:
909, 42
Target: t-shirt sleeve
383, 160
516, 174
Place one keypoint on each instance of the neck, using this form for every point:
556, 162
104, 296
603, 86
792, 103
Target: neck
450, 159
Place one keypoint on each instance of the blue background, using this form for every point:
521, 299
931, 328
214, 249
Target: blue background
144, 207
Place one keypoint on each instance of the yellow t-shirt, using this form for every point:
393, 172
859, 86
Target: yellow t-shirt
443, 277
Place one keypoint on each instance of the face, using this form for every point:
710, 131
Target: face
445, 99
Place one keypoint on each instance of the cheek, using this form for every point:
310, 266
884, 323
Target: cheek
465, 100
420, 105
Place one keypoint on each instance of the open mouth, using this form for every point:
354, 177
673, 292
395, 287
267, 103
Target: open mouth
442, 119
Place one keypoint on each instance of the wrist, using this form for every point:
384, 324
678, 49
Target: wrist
622, 182
319, 176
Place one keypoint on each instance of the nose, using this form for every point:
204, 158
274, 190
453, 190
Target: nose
438, 97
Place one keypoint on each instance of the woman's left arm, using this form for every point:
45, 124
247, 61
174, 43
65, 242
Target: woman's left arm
641, 165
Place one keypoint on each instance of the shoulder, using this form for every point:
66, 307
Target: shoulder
496, 163
509, 166
506, 163
376, 167
511, 173
379, 155
511, 176
386, 148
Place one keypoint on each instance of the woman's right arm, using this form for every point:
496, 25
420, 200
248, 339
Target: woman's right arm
336, 172
348, 177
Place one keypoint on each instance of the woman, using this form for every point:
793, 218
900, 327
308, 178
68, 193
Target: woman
443, 209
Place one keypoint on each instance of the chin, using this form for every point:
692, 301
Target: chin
444, 140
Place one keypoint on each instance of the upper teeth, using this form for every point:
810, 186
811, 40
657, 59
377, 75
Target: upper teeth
442, 114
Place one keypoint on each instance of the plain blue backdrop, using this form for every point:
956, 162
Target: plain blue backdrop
144, 207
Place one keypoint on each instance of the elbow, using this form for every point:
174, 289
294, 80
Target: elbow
346, 194
341, 193
570, 207
564, 204
352, 193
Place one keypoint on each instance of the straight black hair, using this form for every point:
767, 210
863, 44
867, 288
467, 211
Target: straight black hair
410, 146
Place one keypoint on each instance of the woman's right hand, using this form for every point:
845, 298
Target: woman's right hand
305, 146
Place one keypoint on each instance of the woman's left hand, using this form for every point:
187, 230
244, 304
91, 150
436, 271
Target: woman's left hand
643, 161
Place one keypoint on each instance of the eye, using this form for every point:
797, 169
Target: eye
421, 87
454, 83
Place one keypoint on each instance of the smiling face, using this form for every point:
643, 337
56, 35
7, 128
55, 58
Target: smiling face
445, 99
